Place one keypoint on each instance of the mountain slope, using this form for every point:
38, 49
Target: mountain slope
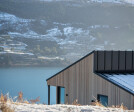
66, 30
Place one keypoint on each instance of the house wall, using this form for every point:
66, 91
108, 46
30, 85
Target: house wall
81, 83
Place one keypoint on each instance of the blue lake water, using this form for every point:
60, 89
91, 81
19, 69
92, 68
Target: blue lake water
30, 80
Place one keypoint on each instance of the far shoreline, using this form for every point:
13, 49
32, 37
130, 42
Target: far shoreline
15, 66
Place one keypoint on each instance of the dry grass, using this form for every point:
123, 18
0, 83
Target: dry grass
120, 106
97, 103
20, 97
123, 107
5, 108
33, 101
75, 102
3, 105
4, 99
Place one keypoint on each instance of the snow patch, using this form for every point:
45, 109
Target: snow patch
70, 31
54, 32
19, 53
113, 1
50, 58
13, 18
129, 1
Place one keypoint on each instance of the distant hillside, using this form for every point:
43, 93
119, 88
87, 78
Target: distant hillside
69, 12
65, 30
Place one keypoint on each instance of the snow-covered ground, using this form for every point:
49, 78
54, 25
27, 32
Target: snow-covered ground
23, 107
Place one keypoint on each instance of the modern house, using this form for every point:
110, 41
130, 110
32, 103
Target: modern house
105, 75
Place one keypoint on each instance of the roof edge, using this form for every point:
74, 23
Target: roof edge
71, 65
127, 90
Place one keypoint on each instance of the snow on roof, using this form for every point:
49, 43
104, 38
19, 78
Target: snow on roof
124, 80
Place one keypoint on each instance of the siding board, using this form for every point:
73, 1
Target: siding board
100, 60
129, 60
81, 83
115, 61
108, 60
122, 61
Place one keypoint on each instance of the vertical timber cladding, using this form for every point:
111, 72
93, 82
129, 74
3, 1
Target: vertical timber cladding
77, 80
113, 61
81, 83
116, 95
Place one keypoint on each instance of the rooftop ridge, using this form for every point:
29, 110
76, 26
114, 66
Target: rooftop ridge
71, 65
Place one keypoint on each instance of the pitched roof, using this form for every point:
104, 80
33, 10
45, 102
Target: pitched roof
70, 65
124, 81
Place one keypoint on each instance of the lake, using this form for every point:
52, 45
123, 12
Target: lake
30, 80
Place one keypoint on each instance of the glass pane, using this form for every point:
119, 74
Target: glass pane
52, 95
104, 100
62, 95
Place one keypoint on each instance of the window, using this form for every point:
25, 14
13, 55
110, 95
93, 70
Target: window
103, 99
61, 95
52, 95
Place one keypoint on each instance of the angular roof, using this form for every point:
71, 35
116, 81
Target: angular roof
125, 81
123, 78
70, 65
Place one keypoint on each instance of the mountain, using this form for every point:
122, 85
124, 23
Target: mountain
98, 1
63, 31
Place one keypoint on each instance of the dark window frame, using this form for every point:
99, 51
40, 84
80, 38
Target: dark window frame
98, 98
59, 94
